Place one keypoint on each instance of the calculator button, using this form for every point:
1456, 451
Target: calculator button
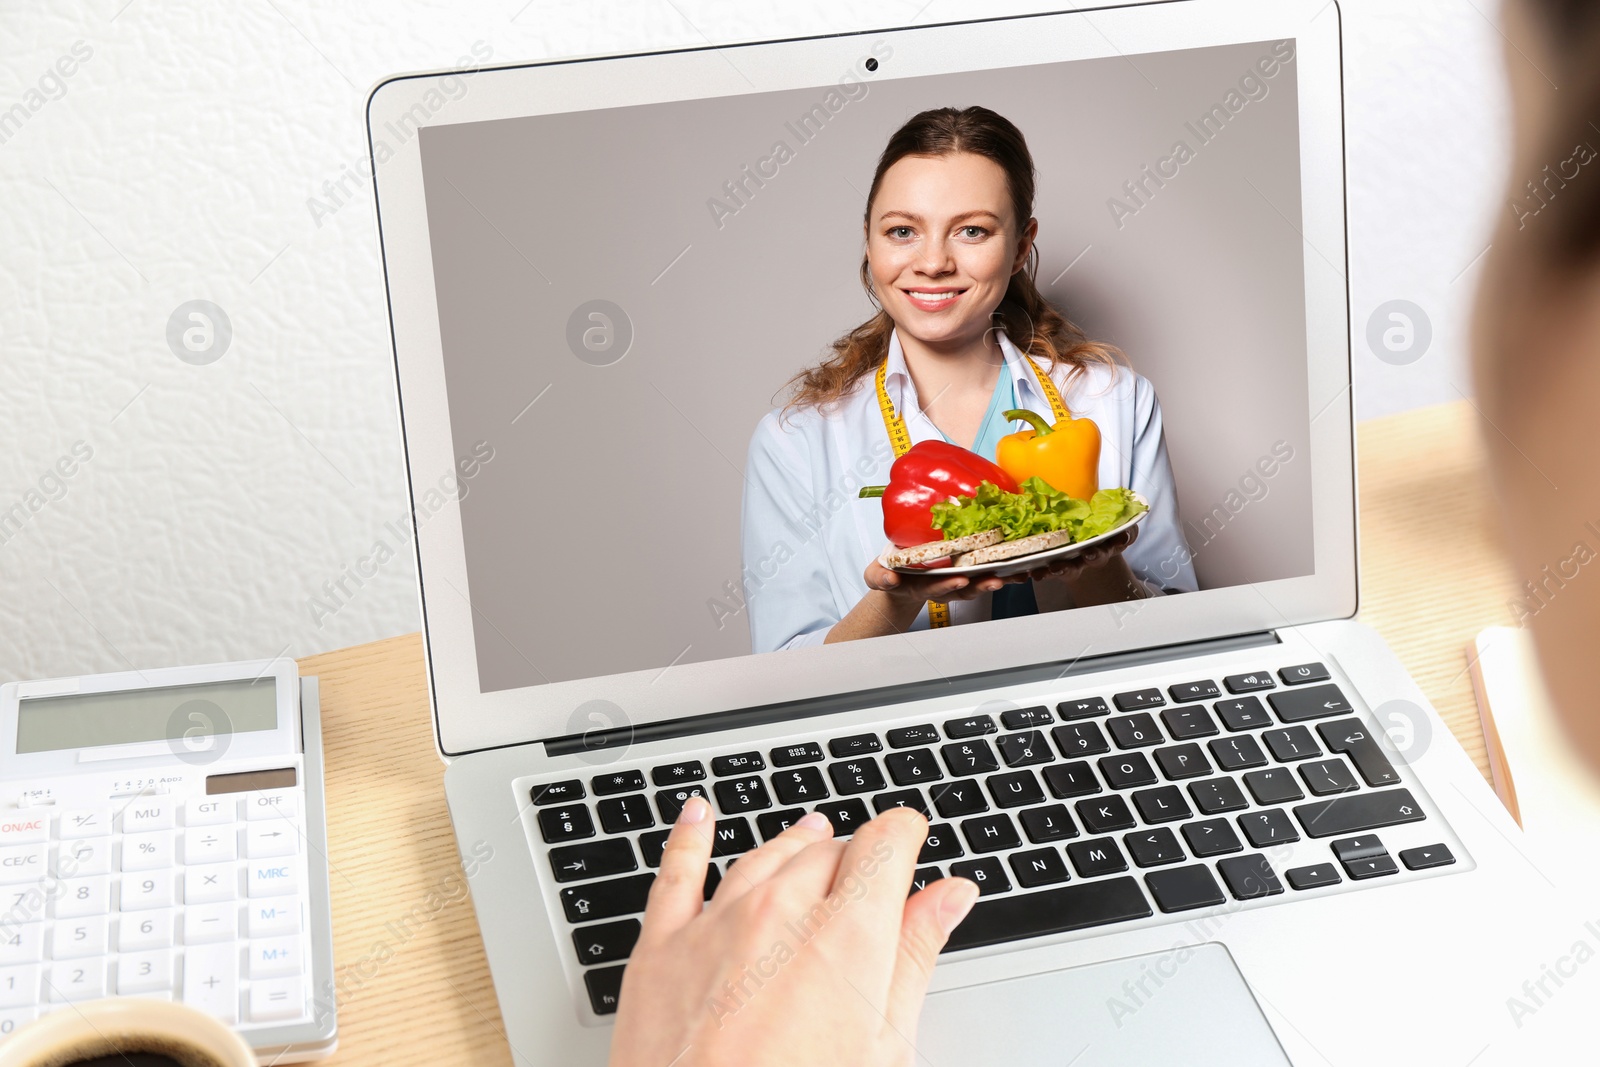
211, 981
73, 939
280, 804
147, 813
209, 811
151, 929
278, 998
19, 986
23, 863
24, 829
271, 919
266, 840
22, 943
147, 891
272, 879
83, 896
211, 845
76, 859
274, 957
72, 982
147, 852
208, 885
78, 823
144, 972
12, 1018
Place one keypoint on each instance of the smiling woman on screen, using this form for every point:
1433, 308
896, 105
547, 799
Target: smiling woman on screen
962, 338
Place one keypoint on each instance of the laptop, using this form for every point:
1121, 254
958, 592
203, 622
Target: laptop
1214, 824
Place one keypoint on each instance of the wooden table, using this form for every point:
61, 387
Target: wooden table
414, 986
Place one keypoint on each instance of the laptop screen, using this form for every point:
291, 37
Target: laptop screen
662, 329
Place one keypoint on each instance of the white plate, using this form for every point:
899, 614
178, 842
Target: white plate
1022, 564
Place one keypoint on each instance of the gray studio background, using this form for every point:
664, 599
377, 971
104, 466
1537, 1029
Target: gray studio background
608, 519
216, 154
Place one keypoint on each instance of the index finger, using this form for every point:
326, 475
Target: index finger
678, 891
874, 875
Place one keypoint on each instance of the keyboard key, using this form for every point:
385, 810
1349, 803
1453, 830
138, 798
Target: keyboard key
1249, 877
959, 798
1015, 789
802, 786
854, 745
1303, 674
1375, 867
606, 942
713, 879
1184, 888
671, 774
83, 896
739, 763
1350, 737
271, 878
604, 900
1080, 739
21, 943
733, 837
211, 981
78, 938
923, 877
152, 929
651, 846
605, 785
941, 844
275, 999
1152, 848
1328, 776
1318, 702
208, 885
1270, 827
78, 823
669, 802
280, 804
911, 736
1071, 780
969, 757
567, 823
1190, 722
145, 972
31, 829
208, 923
19, 986
971, 726
593, 859
1085, 708
846, 816
1053, 911
900, 798
1313, 877
1358, 811
1049, 823
272, 918
618, 815
1291, 743
77, 981
1192, 691
912, 768
773, 823
143, 813
1213, 837
1096, 856
262, 841
1237, 753
1125, 772
1024, 749
791, 755
742, 794
81, 858
557, 792
1421, 859
605, 988
1249, 683
1138, 699
991, 833
148, 852
1182, 761
1022, 718
1162, 804
1243, 713
856, 776
1039, 866
217, 845
1105, 814
987, 872
1363, 847
1134, 731
1275, 785
1216, 795
143, 892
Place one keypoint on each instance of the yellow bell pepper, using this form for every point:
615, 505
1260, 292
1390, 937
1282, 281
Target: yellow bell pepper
1065, 456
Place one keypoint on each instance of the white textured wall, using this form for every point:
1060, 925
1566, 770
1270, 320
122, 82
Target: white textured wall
177, 162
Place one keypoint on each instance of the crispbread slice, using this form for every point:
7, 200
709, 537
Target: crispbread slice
1022, 546
932, 550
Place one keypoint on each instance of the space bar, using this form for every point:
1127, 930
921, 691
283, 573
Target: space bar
1054, 911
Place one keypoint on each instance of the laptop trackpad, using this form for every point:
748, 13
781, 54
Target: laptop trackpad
1188, 1006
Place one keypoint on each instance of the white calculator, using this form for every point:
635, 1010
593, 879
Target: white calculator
162, 835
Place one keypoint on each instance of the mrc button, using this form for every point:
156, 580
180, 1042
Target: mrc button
273, 879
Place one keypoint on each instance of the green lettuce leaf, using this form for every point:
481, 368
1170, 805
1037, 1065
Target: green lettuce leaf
1038, 508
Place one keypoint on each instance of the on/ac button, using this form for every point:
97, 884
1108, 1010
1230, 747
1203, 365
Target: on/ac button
22, 829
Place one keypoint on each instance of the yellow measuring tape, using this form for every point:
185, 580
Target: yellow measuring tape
938, 611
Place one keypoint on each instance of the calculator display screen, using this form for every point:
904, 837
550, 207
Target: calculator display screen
90, 720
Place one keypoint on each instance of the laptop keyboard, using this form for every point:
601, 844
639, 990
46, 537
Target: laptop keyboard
1098, 812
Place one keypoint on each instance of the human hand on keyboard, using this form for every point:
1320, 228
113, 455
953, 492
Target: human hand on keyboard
809, 951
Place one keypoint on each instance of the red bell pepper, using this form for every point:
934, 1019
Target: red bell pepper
927, 474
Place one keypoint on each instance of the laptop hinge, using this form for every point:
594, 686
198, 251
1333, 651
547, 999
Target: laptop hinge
796, 710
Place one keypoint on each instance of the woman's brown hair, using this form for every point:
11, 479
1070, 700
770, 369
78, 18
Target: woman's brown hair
1573, 28
1035, 327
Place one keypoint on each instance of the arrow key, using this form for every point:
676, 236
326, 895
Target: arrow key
593, 859
1420, 859
262, 840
